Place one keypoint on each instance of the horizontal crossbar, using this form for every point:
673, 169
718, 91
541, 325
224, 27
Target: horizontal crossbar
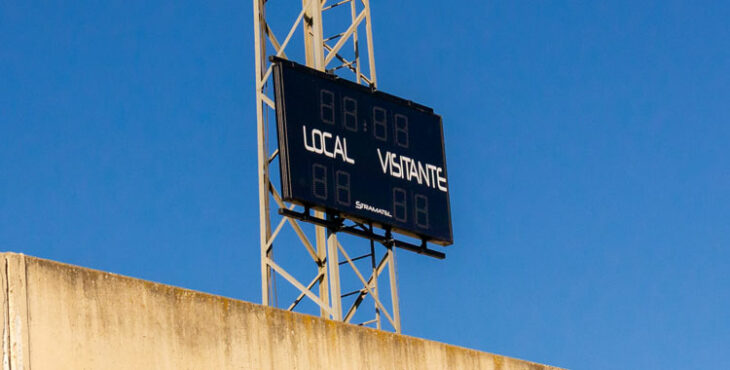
356, 258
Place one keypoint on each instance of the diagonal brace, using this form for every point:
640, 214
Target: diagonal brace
344, 37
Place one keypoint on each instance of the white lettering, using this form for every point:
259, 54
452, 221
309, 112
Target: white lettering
395, 165
344, 152
338, 147
441, 181
319, 141
422, 174
403, 167
384, 164
406, 162
367, 207
306, 146
317, 148
414, 172
325, 136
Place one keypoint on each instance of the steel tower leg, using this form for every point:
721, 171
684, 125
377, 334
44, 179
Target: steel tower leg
263, 167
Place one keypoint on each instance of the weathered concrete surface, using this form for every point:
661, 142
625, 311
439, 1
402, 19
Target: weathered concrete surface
58, 316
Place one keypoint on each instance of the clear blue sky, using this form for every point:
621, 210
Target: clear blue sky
587, 145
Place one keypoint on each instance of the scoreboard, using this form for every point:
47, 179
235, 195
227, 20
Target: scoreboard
363, 154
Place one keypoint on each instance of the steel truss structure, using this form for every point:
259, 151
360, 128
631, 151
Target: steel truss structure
325, 54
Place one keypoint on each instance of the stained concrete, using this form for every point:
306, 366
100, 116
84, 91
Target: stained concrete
58, 316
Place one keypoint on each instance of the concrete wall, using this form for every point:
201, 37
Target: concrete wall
58, 316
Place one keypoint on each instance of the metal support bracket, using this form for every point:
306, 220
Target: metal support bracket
337, 225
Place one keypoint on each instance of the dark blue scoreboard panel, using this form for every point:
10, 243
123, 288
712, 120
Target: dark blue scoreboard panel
364, 154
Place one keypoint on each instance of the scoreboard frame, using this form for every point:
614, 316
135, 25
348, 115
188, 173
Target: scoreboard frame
415, 179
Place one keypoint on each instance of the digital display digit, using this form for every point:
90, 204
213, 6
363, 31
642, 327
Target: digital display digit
366, 155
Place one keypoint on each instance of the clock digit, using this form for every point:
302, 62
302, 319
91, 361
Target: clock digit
380, 128
327, 106
401, 130
350, 113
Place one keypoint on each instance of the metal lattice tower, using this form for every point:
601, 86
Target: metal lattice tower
339, 53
